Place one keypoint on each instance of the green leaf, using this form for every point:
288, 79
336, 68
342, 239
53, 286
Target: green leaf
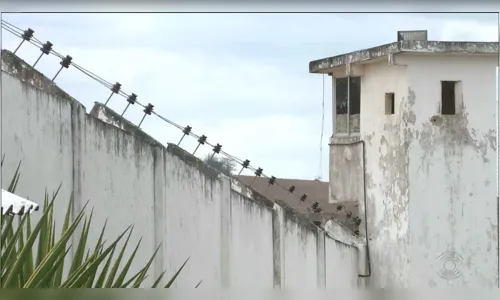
46, 230
114, 270
29, 264
20, 267
158, 280
6, 230
54, 253
198, 284
144, 271
48, 277
104, 272
169, 284
98, 246
80, 251
15, 180
9, 277
10, 247
83, 277
123, 273
128, 282
69, 212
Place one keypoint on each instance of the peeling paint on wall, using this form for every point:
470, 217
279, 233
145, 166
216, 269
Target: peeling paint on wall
429, 176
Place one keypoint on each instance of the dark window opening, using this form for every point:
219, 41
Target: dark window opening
448, 97
341, 95
351, 106
354, 93
389, 103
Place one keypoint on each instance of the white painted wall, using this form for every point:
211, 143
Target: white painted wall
386, 178
429, 188
247, 221
452, 172
193, 222
113, 165
340, 257
300, 256
26, 135
233, 237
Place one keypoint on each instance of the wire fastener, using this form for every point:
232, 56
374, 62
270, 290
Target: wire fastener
65, 62
115, 89
147, 111
27, 35
46, 48
131, 100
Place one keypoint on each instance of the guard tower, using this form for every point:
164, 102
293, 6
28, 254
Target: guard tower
414, 142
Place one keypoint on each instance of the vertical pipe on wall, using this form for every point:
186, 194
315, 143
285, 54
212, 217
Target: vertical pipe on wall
498, 176
348, 105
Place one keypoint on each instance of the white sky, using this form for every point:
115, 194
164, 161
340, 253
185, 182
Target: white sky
240, 79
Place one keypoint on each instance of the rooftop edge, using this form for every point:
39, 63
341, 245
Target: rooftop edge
324, 64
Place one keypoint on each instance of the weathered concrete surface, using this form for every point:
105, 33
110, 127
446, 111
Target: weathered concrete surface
341, 257
300, 255
452, 171
233, 236
386, 174
326, 65
117, 175
429, 178
341, 121
42, 144
346, 170
247, 220
193, 219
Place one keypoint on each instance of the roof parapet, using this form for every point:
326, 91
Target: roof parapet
405, 46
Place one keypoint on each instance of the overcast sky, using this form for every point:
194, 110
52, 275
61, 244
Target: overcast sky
240, 79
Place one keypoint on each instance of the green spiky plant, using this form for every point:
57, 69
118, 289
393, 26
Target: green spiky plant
95, 267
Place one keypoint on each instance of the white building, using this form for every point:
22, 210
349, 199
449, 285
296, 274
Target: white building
422, 126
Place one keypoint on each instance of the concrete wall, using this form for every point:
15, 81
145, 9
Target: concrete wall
429, 184
341, 123
452, 172
386, 176
385, 162
233, 236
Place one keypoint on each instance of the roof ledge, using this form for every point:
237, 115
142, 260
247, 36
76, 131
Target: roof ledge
406, 46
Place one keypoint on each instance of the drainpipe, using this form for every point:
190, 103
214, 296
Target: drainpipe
498, 178
348, 105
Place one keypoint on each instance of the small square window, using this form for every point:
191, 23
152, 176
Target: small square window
389, 103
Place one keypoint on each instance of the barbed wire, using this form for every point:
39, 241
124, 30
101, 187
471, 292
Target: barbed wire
66, 61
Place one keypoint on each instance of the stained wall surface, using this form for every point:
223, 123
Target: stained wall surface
429, 179
232, 236
452, 172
